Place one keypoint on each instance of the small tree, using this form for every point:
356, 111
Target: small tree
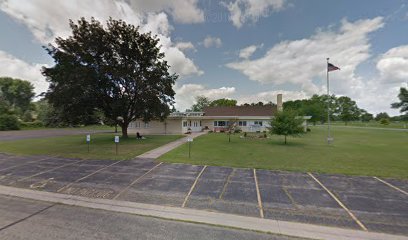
382, 115
286, 123
201, 102
403, 103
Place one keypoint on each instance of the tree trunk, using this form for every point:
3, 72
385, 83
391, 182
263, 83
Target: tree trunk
116, 128
285, 139
125, 129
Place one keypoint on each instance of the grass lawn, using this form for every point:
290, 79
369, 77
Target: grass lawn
373, 123
354, 152
102, 146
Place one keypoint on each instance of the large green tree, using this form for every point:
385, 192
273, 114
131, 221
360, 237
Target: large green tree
347, 109
17, 93
403, 103
114, 69
286, 123
223, 102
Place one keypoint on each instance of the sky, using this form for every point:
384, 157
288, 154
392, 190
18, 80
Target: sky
248, 50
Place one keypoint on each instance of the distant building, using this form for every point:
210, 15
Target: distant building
217, 119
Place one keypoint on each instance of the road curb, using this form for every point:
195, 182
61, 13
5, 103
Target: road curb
199, 216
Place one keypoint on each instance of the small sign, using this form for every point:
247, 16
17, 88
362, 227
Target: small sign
88, 138
330, 139
189, 139
116, 139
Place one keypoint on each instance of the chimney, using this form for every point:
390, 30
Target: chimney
279, 103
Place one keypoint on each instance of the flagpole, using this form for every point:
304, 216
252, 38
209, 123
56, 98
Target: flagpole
328, 102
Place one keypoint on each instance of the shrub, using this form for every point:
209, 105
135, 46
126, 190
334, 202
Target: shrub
385, 121
237, 130
35, 124
245, 134
308, 129
8, 122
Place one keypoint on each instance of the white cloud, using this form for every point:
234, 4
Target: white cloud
47, 19
300, 61
182, 11
242, 11
186, 46
17, 68
247, 52
185, 94
212, 42
393, 65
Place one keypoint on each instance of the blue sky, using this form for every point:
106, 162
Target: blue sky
249, 50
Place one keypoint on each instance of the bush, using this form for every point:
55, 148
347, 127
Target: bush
8, 122
385, 121
35, 124
308, 130
245, 134
27, 116
237, 130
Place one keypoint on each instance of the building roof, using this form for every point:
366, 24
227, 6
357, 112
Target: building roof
266, 110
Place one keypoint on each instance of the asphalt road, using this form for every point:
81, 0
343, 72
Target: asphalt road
34, 220
43, 133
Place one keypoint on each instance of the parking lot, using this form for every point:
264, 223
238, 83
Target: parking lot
364, 203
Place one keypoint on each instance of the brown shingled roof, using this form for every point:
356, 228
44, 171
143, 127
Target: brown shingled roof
266, 110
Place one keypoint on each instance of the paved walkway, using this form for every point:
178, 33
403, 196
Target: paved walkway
157, 152
198, 216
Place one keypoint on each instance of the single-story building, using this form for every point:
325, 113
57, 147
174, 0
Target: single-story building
217, 119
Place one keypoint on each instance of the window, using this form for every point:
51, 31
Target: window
258, 123
220, 123
242, 123
184, 123
146, 125
136, 125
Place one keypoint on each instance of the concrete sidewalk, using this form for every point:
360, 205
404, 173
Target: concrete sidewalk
204, 217
157, 152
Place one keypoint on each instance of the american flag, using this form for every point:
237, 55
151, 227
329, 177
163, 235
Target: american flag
331, 67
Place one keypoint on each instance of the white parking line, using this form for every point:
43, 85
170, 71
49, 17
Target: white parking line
26, 163
258, 194
226, 183
135, 181
49, 170
392, 186
82, 178
193, 186
339, 202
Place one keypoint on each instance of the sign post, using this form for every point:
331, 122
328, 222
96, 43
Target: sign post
189, 140
116, 143
88, 140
